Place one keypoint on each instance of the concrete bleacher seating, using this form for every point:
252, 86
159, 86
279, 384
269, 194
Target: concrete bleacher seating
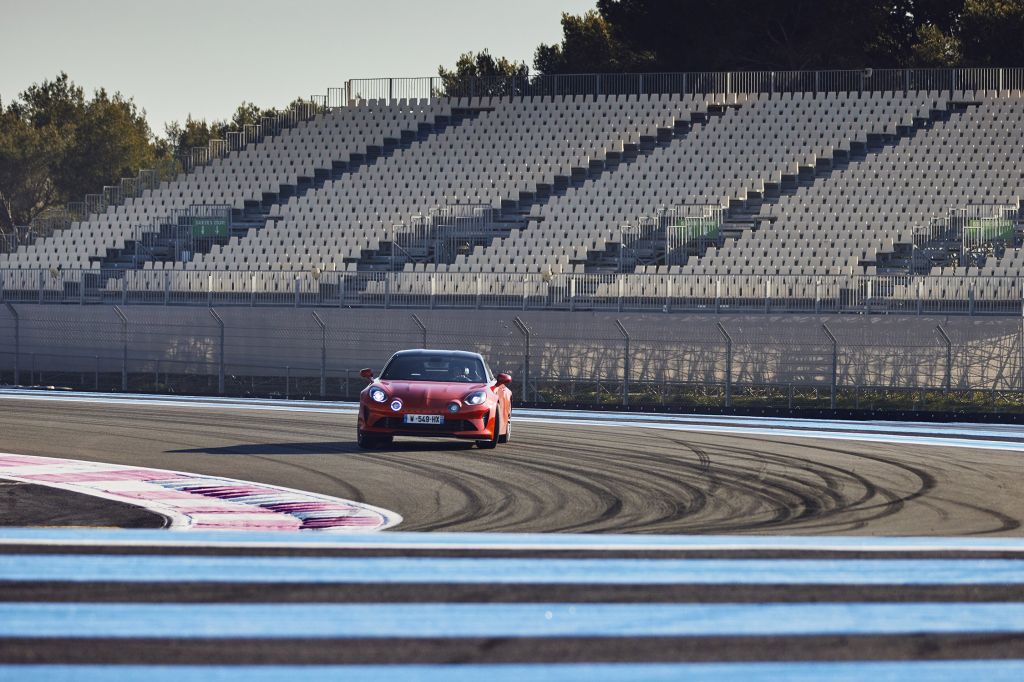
243, 175
512, 147
513, 150
758, 142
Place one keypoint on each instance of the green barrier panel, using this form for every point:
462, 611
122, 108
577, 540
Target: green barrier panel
209, 227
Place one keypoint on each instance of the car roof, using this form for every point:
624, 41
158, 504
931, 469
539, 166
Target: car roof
450, 353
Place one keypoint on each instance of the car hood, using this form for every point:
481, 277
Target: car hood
429, 393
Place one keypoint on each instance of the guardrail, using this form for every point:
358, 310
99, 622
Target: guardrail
694, 83
962, 295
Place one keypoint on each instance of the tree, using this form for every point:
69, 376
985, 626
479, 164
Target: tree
992, 32
781, 35
248, 113
27, 156
56, 146
934, 48
111, 141
588, 45
194, 133
481, 74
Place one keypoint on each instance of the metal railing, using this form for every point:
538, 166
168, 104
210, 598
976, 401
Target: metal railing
182, 233
966, 295
691, 83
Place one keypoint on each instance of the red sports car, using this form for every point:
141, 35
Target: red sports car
444, 393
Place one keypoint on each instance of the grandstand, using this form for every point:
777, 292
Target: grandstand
644, 199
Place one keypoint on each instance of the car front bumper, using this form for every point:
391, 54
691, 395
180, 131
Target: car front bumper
472, 422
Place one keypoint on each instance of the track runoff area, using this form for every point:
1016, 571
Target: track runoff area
686, 546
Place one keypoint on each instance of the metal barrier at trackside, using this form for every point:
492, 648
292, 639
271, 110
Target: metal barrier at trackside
906, 294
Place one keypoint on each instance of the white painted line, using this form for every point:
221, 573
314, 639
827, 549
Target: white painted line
912, 433
192, 501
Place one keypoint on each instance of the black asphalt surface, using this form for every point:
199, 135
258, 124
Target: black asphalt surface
552, 477
25, 504
555, 476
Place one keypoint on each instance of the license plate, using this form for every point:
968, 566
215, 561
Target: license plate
424, 419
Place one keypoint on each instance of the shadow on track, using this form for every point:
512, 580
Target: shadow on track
340, 447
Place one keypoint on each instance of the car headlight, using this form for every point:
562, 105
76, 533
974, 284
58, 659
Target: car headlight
453, 407
476, 398
396, 405
378, 395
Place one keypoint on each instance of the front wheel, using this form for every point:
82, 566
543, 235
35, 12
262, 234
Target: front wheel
508, 433
493, 442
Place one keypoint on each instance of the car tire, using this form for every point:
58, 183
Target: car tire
508, 433
493, 442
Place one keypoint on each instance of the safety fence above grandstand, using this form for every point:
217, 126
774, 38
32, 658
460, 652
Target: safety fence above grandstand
694, 83
908, 294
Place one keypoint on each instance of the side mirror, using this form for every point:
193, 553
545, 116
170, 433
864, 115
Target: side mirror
366, 373
503, 379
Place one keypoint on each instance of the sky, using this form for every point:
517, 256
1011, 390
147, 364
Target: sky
204, 57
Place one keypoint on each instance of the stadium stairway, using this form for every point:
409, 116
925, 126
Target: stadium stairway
297, 160
519, 154
516, 213
743, 215
862, 221
161, 245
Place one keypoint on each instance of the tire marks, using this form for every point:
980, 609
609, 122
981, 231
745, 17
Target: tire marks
559, 477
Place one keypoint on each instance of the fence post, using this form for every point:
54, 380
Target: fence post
167, 288
17, 343
220, 353
728, 363
124, 347
423, 328
525, 331
295, 286
947, 381
835, 364
323, 354
625, 364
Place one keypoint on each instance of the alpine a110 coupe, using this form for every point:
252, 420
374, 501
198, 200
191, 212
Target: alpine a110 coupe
437, 393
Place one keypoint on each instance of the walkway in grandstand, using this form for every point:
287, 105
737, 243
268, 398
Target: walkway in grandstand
75, 604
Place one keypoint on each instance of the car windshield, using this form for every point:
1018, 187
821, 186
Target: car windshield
435, 368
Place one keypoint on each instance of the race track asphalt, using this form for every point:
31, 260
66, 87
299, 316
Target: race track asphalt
555, 476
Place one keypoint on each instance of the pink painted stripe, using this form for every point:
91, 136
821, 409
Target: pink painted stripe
198, 501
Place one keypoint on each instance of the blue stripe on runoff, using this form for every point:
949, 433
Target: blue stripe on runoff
937, 671
384, 570
288, 621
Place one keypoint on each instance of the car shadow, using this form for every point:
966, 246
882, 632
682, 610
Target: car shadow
327, 447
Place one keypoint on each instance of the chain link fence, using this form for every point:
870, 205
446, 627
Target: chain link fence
636, 361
